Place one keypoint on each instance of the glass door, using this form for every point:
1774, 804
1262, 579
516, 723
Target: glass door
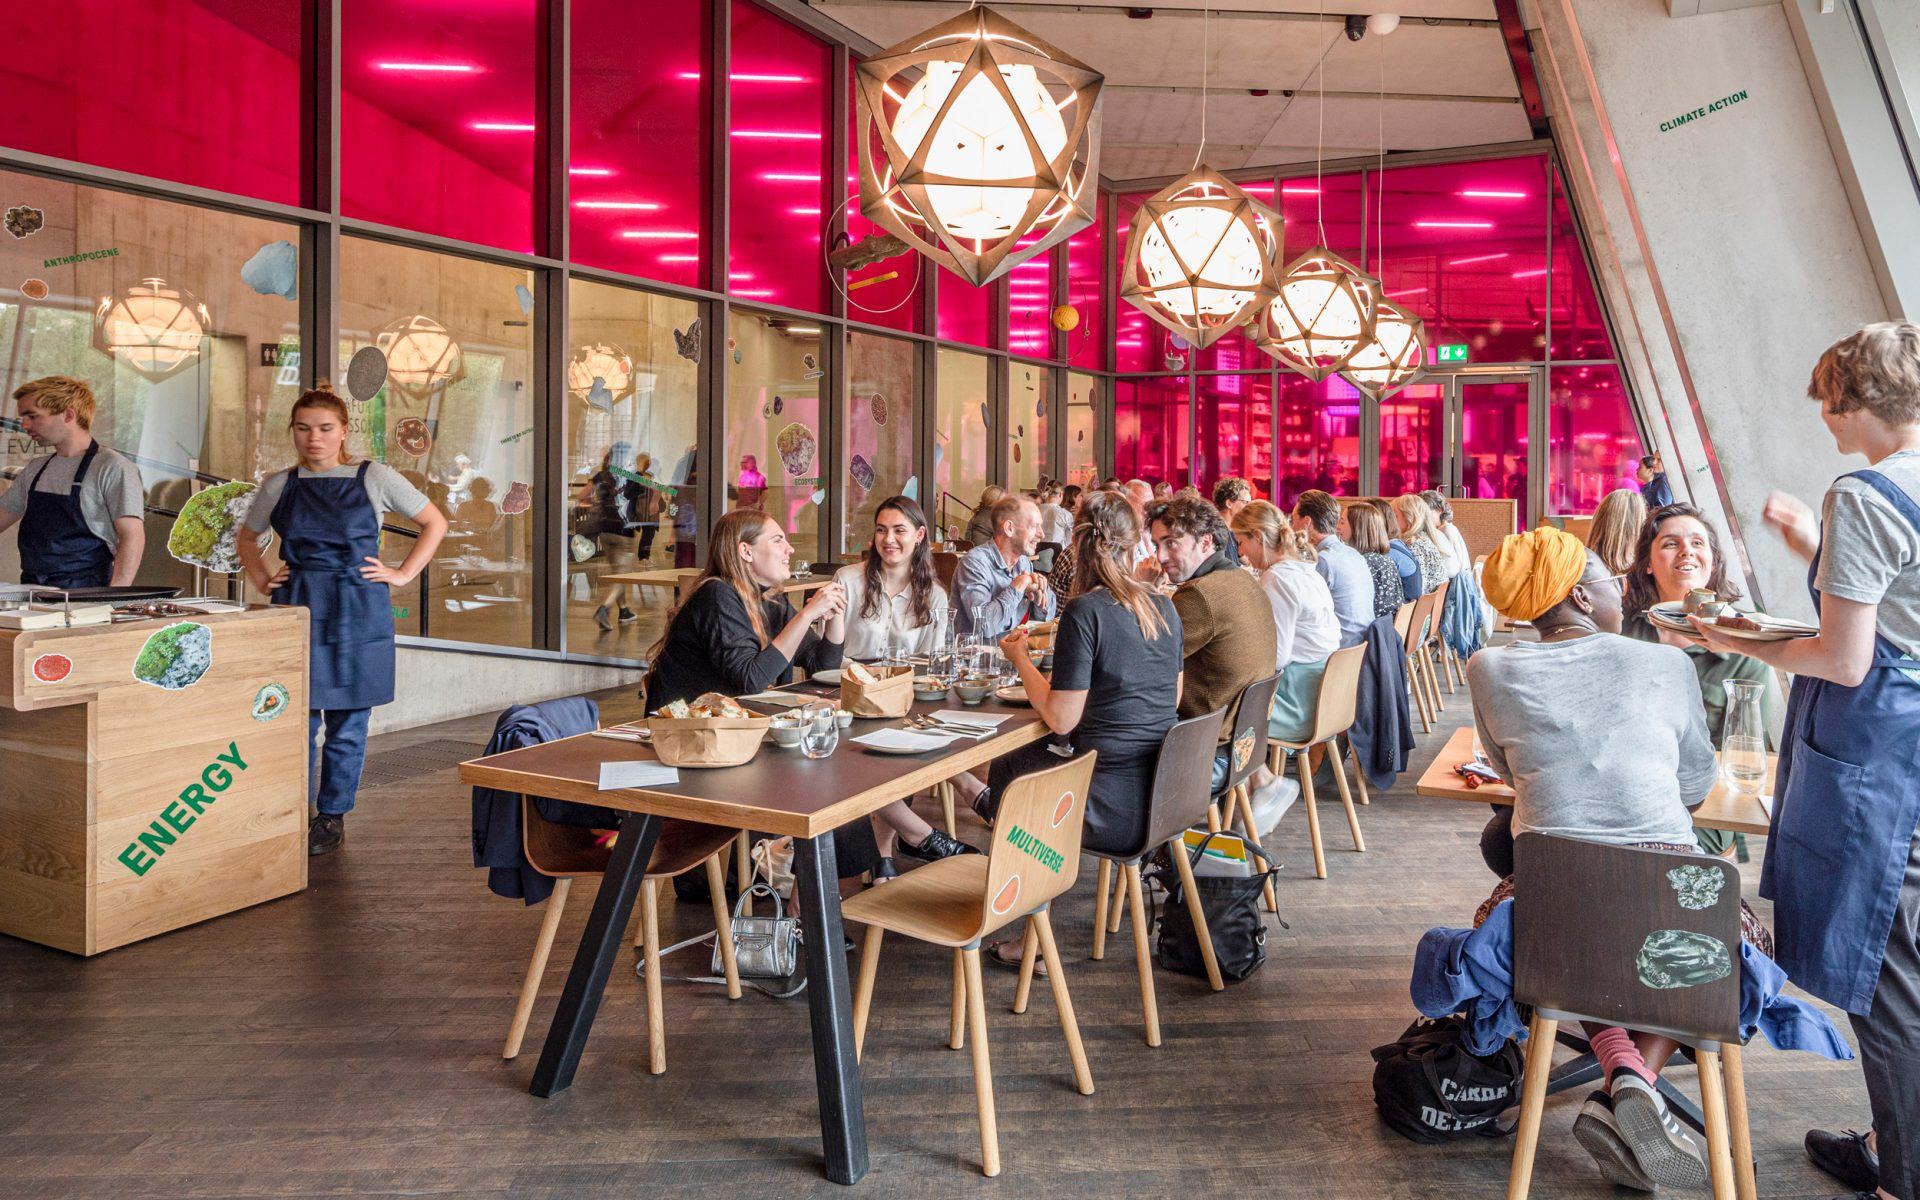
1491, 415
1413, 438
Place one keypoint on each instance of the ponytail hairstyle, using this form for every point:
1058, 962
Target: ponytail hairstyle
741, 526
321, 395
1270, 527
1103, 545
920, 577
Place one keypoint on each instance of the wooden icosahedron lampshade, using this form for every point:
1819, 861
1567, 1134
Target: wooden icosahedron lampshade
1323, 314
153, 327
1394, 357
973, 135
1201, 256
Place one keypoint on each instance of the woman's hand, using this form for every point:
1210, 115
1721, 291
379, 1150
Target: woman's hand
1716, 640
1014, 646
379, 572
267, 583
825, 604
1796, 522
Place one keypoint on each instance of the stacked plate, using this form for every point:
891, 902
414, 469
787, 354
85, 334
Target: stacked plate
1673, 618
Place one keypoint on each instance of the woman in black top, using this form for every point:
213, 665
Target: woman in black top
1116, 676
730, 635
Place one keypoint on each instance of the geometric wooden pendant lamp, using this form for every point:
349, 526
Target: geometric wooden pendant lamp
1394, 357
975, 134
1324, 312
1202, 256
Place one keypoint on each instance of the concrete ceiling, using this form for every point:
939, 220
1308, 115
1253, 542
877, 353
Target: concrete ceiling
1445, 74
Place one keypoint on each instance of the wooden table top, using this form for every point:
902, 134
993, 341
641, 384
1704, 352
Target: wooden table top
1722, 809
781, 791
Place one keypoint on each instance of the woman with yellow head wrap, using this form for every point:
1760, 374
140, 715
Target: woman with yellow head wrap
1531, 572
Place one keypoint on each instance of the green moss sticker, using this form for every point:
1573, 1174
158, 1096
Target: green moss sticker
175, 656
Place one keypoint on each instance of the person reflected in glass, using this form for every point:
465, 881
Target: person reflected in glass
1651, 474
894, 603
82, 508
326, 510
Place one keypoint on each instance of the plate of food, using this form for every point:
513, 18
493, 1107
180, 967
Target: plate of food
830, 678
1014, 693
1748, 626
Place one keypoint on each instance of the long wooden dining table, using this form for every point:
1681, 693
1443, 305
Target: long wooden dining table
782, 793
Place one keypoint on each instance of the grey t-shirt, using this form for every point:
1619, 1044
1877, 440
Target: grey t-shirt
1603, 738
1871, 553
386, 487
112, 489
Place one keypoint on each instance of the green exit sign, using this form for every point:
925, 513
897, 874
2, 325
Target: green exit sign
1453, 352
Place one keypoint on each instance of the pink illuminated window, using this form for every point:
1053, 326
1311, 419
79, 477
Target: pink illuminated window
1465, 249
1030, 306
1236, 430
1413, 449
437, 117
1319, 438
1493, 442
962, 312
81, 83
1086, 342
781, 94
1151, 428
1593, 444
637, 167
1135, 337
887, 292
1578, 330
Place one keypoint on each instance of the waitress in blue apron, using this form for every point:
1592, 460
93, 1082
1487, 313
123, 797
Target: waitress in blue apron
327, 512
1843, 862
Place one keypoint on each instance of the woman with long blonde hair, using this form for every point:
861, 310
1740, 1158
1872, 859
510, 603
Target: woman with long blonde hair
1303, 612
1420, 530
1615, 536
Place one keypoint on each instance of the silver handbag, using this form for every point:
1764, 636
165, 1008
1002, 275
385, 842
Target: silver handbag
763, 947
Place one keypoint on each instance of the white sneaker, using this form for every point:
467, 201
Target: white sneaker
1661, 1145
1271, 802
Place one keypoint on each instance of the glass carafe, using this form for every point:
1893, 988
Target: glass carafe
1743, 737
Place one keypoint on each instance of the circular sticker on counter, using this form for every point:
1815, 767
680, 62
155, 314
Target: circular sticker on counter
51, 668
270, 702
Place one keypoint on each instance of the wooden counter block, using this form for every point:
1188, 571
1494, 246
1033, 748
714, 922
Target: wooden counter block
123, 813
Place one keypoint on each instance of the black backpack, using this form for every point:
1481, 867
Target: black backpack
1235, 918
1431, 1089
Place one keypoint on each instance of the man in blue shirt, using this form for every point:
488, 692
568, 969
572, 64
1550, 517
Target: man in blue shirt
1652, 475
998, 578
1317, 515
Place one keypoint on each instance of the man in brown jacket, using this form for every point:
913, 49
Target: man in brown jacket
1228, 625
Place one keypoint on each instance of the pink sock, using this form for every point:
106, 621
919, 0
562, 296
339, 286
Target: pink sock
1614, 1048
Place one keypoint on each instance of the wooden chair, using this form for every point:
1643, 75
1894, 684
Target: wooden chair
1333, 712
1177, 802
1419, 680
567, 852
1571, 967
945, 563
957, 902
1432, 648
1247, 751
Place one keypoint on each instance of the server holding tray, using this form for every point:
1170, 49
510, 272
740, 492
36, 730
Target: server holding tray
80, 509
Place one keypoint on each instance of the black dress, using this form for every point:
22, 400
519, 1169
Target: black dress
1130, 684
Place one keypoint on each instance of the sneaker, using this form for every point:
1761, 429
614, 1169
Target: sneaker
1845, 1156
1659, 1144
936, 845
1600, 1137
627, 615
602, 618
325, 833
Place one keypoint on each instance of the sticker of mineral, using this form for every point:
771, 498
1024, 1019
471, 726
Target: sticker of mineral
366, 373
175, 656
35, 289
1681, 958
861, 470
519, 498
413, 436
270, 702
24, 220
1699, 887
274, 270
796, 446
51, 668
206, 533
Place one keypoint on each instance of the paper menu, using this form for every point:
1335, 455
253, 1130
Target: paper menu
642, 773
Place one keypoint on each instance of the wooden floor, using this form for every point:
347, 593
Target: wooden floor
346, 1042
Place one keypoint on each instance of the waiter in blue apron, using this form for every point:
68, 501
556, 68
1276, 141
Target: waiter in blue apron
327, 513
1843, 863
81, 508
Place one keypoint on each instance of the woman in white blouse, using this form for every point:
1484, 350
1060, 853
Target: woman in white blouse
1303, 613
1457, 551
895, 605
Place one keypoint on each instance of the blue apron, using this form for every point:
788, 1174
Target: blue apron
1847, 802
56, 547
328, 529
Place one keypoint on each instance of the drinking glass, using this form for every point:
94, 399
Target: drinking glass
819, 729
1743, 738
942, 662
801, 568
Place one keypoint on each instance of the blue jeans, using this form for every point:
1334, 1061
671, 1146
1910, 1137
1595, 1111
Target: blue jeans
341, 757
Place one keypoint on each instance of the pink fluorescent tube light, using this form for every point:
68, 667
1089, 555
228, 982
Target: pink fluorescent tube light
1298, 189
679, 258
660, 235
796, 177
443, 68
618, 205
790, 135
596, 172
695, 77
1478, 258
502, 127
1534, 274
1453, 224
1492, 194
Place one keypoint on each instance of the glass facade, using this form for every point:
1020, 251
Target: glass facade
449, 233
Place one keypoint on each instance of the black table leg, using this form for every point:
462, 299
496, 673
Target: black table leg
843, 1121
600, 945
